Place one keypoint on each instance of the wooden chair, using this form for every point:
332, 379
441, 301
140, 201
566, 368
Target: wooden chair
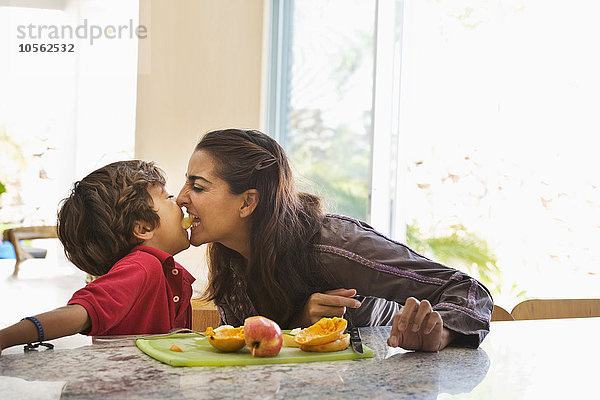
500, 314
14, 235
556, 308
204, 314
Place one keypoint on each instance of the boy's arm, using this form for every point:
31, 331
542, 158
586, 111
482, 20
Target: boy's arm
63, 321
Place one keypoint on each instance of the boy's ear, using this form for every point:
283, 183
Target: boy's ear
142, 231
250, 199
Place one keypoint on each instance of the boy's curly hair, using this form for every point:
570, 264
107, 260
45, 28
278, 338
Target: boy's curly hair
96, 221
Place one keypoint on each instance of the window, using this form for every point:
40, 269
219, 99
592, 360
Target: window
322, 102
488, 148
62, 114
500, 105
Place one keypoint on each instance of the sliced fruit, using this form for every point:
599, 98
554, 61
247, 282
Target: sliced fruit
339, 344
295, 331
226, 339
324, 331
186, 222
176, 348
221, 327
288, 341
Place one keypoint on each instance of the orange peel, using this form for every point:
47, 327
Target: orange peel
323, 331
341, 343
226, 339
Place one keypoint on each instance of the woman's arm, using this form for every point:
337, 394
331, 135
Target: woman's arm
63, 321
417, 327
380, 268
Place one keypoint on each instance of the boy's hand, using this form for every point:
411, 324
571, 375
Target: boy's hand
63, 321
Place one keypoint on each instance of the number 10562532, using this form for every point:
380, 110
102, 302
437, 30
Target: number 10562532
46, 48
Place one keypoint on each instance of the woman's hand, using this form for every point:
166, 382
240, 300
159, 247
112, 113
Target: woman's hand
417, 327
332, 303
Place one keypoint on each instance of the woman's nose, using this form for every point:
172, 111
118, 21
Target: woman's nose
182, 197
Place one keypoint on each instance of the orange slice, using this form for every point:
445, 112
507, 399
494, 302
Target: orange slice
186, 222
176, 348
288, 341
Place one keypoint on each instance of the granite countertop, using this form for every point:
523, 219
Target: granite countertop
520, 359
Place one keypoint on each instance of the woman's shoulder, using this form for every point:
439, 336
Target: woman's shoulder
343, 232
343, 220
337, 227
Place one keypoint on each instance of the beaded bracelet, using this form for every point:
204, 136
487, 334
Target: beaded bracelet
40, 329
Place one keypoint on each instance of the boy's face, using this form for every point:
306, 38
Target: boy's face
169, 236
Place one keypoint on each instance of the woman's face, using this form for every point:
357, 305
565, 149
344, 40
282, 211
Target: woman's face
216, 211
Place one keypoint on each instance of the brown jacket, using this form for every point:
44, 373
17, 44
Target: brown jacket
385, 273
388, 272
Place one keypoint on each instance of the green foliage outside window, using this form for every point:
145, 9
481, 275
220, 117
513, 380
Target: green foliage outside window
332, 163
462, 250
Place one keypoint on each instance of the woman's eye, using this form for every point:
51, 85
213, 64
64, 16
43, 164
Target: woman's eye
170, 196
197, 189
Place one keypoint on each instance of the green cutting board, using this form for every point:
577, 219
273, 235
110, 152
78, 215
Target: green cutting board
198, 352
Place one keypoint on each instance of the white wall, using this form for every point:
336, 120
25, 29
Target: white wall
106, 85
200, 69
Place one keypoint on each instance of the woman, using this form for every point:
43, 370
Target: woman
273, 252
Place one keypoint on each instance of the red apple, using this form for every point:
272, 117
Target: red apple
263, 336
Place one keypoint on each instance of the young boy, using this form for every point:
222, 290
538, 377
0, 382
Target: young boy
120, 224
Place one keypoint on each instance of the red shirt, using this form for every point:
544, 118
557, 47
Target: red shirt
144, 292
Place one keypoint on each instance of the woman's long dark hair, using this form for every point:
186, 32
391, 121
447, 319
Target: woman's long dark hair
283, 269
